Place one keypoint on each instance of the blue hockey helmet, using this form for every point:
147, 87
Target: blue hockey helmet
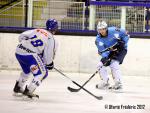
51, 25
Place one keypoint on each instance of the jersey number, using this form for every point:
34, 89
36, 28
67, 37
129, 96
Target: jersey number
37, 42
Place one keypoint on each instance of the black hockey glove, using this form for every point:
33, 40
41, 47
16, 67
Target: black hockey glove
106, 61
50, 66
120, 45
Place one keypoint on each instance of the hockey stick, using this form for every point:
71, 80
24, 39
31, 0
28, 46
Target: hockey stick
109, 49
76, 90
97, 97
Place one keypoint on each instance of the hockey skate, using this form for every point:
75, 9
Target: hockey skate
27, 95
17, 90
117, 87
102, 85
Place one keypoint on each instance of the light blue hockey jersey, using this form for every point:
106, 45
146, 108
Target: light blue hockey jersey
114, 34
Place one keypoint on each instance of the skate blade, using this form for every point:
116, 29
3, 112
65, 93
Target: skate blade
116, 90
17, 94
104, 88
26, 98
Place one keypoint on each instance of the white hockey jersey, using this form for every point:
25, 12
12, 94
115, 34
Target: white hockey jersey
38, 41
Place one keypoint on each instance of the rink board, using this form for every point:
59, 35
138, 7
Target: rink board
79, 54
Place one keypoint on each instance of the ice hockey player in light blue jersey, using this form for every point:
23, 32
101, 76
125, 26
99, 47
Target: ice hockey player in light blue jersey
112, 44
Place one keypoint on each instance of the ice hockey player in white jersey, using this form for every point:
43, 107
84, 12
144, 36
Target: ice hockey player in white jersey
35, 54
112, 45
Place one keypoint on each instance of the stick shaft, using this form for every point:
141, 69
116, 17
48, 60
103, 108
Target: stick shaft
97, 97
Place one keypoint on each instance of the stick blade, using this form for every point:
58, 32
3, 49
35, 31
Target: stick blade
76, 90
72, 89
100, 97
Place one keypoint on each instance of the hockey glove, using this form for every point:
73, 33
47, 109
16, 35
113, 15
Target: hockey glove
50, 66
106, 61
120, 45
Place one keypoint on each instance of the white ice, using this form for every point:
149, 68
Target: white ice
55, 98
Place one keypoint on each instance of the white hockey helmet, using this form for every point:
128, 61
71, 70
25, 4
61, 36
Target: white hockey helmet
101, 25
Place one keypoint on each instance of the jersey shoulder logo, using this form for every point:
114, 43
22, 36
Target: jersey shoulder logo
116, 35
101, 43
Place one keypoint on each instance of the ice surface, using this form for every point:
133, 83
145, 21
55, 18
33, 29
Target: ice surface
55, 98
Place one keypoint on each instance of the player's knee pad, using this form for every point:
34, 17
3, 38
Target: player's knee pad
41, 74
34, 69
38, 71
114, 65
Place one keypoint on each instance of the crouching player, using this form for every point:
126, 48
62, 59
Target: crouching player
35, 54
112, 47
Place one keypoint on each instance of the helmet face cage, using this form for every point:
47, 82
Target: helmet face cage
51, 25
101, 25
